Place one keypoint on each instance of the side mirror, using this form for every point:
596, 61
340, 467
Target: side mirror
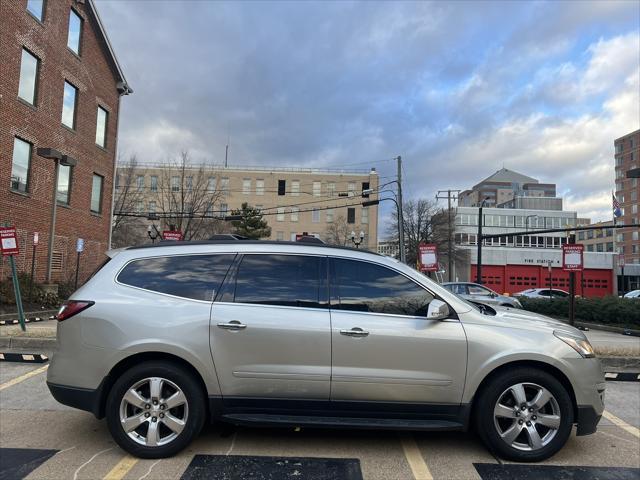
438, 310
493, 295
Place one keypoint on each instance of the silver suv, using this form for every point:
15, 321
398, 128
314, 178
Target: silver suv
164, 338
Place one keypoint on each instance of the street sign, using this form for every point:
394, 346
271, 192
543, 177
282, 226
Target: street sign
572, 257
36, 238
621, 259
428, 257
174, 235
80, 245
9, 241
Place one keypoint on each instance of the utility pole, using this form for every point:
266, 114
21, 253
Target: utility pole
403, 257
449, 197
479, 242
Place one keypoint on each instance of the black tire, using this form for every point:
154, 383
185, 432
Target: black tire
493, 391
182, 378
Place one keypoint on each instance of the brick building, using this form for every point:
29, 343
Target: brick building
627, 159
60, 88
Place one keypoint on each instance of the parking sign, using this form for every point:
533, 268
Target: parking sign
9, 241
573, 257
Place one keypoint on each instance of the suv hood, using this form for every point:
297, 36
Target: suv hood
515, 317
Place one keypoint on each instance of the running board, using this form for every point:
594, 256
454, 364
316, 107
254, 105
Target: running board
255, 419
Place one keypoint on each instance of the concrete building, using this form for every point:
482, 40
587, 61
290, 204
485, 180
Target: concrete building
506, 187
60, 88
322, 203
389, 248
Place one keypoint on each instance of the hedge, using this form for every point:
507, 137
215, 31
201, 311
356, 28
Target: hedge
610, 310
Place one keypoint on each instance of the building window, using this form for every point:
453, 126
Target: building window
101, 127
96, 193
295, 188
280, 214
175, 184
64, 184
69, 105
365, 215
259, 186
331, 189
140, 182
211, 184
152, 206
351, 188
224, 208
329, 215
20, 165
294, 214
189, 183
154, 183
246, 186
75, 31
351, 215
315, 215
279, 236
317, 189
365, 186
282, 187
29, 66
36, 8
224, 185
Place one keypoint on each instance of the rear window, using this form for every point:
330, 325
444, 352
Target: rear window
190, 276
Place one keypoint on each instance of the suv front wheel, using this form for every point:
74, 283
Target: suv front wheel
155, 409
524, 415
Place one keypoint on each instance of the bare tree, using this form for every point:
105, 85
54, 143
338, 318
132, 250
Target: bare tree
188, 200
424, 222
127, 229
339, 232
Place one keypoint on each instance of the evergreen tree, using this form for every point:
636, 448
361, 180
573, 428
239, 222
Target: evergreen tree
251, 225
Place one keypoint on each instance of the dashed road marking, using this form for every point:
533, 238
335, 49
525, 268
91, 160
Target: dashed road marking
621, 423
123, 467
414, 458
24, 377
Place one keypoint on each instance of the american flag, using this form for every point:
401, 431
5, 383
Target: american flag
616, 207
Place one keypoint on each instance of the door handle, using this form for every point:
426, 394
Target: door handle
354, 332
232, 325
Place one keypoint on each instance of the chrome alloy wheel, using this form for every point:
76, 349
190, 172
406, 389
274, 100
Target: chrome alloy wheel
154, 411
527, 416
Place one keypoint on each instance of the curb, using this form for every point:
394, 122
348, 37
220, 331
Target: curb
610, 364
24, 357
26, 320
622, 377
47, 343
11, 318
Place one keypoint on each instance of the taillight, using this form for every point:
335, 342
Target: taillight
72, 307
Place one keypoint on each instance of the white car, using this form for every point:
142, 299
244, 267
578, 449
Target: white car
633, 294
542, 293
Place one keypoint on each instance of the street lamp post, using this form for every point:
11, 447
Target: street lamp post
357, 242
67, 161
479, 242
153, 233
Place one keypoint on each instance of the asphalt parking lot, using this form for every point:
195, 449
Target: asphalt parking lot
40, 438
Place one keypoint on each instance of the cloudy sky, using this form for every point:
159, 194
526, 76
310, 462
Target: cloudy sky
459, 89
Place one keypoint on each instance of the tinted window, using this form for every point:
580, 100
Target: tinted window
458, 288
478, 290
288, 280
189, 276
365, 287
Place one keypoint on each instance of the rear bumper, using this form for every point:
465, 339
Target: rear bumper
587, 419
85, 399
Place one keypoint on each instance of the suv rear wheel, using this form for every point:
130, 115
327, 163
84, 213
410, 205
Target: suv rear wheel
524, 415
155, 409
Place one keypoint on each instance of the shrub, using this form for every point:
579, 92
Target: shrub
610, 310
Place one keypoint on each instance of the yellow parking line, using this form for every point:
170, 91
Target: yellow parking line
122, 468
415, 459
621, 423
24, 377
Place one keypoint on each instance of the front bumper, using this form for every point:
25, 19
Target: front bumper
85, 399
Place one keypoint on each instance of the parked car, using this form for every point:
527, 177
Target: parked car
163, 338
633, 294
475, 292
542, 293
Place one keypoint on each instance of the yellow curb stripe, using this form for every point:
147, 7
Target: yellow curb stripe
414, 458
123, 467
24, 377
621, 423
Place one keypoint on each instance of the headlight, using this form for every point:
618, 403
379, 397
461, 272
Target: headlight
579, 344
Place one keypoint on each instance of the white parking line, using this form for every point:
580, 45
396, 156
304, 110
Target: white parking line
415, 459
621, 423
24, 377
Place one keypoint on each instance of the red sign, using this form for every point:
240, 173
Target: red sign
174, 235
428, 257
573, 257
9, 241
